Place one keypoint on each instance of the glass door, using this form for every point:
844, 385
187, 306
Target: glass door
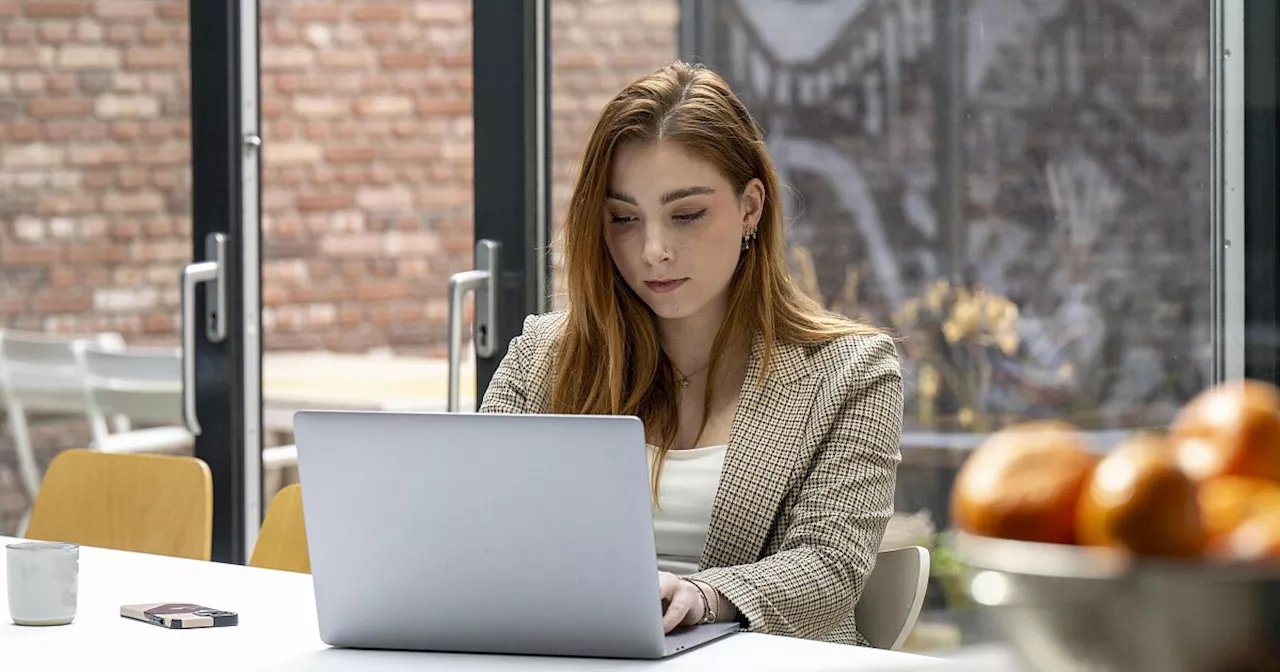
125, 188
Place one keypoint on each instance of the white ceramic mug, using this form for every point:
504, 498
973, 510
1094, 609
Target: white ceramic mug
43, 580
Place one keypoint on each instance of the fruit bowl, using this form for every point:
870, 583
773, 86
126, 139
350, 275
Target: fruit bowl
1065, 607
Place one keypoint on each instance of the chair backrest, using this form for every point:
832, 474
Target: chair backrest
41, 370
157, 504
282, 539
144, 384
891, 600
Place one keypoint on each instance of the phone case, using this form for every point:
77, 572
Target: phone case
180, 616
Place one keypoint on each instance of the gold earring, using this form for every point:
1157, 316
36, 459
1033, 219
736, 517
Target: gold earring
746, 240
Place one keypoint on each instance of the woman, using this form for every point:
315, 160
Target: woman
773, 425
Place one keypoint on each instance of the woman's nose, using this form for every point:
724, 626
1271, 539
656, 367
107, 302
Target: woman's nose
656, 249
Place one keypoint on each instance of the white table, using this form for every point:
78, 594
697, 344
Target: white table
278, 631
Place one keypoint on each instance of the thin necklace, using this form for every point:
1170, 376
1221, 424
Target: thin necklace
683, 380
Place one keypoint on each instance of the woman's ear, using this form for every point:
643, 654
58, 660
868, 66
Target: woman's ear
752, 200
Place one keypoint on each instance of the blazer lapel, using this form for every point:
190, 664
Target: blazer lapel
763, 453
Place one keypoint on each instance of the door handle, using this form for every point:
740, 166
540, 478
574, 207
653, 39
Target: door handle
484, 281
213, 274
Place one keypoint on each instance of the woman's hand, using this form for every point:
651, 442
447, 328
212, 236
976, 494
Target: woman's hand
681, 602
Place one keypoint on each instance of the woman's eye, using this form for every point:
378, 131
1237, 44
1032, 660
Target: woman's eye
691, 216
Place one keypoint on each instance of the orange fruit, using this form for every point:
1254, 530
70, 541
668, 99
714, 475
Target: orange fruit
1227, 501
1137, 499
1230, 429
1023, 483
1257, 538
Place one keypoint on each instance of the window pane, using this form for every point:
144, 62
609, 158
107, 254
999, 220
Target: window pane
95, 195
1020, 189
366, 204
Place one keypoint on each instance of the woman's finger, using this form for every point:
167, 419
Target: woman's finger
677, 609
668, 585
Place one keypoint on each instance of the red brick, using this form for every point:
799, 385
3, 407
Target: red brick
62, 303
165, 58
126, 130
122, 34
285, 35
56, 33
97, 179
318, 12
349, 60
444, 106
349, 154
134, 202
325, 202
60, 83
56, 8
155, 34
384, 106
161, 324
353, 175
378, 12
174, 10
411, 152
131, 179
448, 13
383, 291
408, 59
20, 132
99, 155
273, 107
29, 255
65, 204
125, 9
99, 252
63, 277
457, 59
47, 108
165, 179
17, 35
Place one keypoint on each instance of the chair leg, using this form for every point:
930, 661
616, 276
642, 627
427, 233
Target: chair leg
28, 469
21, 532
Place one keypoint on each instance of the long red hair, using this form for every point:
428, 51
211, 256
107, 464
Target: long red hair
609, 360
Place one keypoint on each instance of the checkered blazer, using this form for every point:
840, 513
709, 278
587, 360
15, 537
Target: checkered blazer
808, 480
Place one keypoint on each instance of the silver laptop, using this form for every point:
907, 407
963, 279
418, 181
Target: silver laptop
485, 533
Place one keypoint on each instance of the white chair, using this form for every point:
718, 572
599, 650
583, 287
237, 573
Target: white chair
141, 384
891, 600
39, 373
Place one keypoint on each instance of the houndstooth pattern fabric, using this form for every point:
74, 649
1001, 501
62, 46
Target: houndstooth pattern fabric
808, 480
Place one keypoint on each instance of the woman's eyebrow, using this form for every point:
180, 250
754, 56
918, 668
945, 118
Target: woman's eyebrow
669, 197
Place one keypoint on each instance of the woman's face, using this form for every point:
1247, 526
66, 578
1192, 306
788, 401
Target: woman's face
674, 226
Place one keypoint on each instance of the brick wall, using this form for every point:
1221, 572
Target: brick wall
367, 164
94, 179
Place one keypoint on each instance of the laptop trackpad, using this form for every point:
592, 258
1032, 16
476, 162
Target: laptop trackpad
687, 638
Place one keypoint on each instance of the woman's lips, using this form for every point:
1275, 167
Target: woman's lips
664, 286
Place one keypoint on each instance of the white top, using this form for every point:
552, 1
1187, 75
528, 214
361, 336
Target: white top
686, 491
278, 631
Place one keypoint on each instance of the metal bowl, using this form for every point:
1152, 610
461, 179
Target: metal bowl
1075, 608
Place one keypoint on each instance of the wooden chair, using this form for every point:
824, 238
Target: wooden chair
159, 504
282, 540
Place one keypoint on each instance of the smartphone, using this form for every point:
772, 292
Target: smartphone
180, 616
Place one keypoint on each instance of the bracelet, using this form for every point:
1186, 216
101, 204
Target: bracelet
708, 616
